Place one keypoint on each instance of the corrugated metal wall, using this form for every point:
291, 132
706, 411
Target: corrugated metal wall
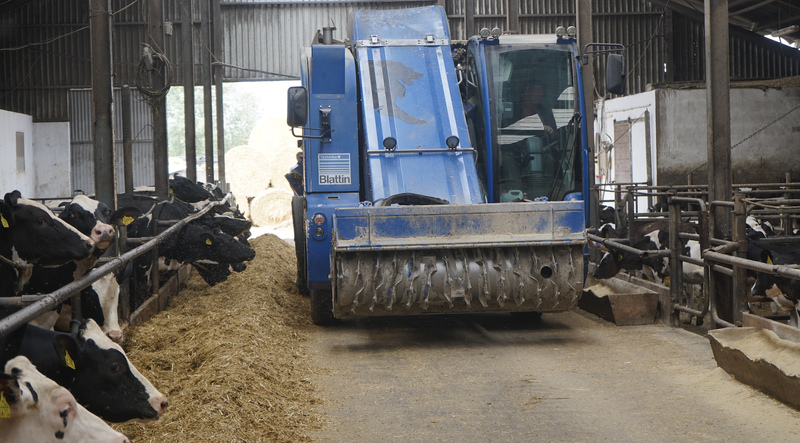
752, 57
45, 51
45, 47
269, 36
82, 146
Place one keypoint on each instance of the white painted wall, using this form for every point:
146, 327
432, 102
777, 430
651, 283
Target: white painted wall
678, 134
765, 157
631, 110
52, 159
10, 177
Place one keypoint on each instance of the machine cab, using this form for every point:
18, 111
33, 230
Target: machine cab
523, 113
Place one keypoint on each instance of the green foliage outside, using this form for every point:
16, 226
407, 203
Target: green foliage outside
241, 108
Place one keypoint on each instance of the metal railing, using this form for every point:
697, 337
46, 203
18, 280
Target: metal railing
721, 257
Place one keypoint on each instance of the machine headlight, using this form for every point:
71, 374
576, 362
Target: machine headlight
484, 33
561, 31
572, 32
452, 142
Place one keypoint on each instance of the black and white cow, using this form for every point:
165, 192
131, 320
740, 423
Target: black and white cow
784, 291
39, 410
186, 190
651, 236
92, 218
30, 234
212, 252
94, 369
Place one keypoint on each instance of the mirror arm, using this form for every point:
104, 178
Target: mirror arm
612, 47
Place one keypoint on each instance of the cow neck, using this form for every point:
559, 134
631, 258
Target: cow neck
20, 268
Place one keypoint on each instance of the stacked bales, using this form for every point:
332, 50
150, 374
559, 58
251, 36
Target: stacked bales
259, 184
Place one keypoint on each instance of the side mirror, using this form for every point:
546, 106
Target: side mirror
615, 74
297, 106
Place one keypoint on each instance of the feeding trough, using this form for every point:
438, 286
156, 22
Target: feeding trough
620, 302
761, 359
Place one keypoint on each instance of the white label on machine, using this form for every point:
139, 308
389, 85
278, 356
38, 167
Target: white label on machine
334, 169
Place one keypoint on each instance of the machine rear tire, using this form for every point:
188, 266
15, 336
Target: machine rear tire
322, 308
298, 221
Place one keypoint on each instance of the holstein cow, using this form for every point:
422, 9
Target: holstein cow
92, 218
30, 234
225, 217
34, 408
94, 369
784, 291
650, 236
213, 252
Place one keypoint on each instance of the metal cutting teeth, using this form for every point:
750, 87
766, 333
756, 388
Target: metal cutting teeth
533, 278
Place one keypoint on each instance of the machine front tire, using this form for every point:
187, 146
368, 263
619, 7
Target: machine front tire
322, 308
298, 220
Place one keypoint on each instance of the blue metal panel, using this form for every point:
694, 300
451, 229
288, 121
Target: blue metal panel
409, 93
459, 226
447, 176
332, 162
328, 70
319, 246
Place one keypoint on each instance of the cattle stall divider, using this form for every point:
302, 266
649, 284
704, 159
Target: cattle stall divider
732, 254
775, 202
40, 304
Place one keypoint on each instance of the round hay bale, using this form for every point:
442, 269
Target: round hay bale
272, 208
262, 164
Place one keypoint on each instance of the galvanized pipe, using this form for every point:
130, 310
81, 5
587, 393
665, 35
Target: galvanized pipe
625, 248
779, 270
50, 301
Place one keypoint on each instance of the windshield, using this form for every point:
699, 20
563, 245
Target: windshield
535, 154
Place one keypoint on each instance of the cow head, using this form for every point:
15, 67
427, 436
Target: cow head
197, 242
41, 410
105, 380
186, 190
93, 218
37, 236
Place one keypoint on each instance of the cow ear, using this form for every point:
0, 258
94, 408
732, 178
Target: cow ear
124, 216
124, 272
5, 215
768, 260
9, 394
66, 347
9, 202
12, 198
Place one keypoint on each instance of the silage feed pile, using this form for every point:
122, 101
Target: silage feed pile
231, 358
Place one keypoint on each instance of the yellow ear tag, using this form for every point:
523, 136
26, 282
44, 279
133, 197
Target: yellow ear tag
68, 360
769, 260
208, 241
5, 409
127, 220
3, 221
619, 257
171, 191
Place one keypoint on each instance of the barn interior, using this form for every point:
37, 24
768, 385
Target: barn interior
706, 131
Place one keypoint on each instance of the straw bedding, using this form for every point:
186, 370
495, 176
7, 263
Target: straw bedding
231, 358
